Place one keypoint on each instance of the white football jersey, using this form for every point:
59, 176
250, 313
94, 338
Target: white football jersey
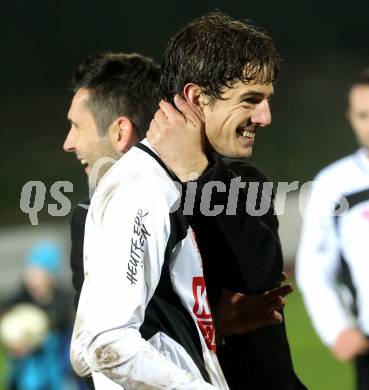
143, 318
334, 248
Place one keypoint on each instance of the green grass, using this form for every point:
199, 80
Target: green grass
313, 362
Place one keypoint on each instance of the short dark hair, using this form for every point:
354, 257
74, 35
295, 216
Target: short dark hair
120, 84
362, 78
214, 52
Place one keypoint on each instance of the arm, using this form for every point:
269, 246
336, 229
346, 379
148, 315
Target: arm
123, 270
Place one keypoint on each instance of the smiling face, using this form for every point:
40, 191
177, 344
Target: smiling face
358, 113
84, 138
231, 124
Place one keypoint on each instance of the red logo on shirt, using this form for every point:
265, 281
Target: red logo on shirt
201, 309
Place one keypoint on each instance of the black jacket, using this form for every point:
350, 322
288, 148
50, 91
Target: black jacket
243, 253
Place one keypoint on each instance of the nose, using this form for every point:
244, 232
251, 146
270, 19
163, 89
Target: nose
69, 143
262, 115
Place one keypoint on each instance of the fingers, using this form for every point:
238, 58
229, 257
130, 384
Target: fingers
226, 307
185, 108
279, 292
152, 133
168, 115
160, 116
174, 116
153, 128
229, 298
168, 110
285, 289
278, 304
242, 324
276, 317
156, 127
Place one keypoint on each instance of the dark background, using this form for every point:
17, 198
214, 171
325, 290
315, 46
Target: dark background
323, 44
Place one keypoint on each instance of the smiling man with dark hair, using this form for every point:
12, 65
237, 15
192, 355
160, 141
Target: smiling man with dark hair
220, 72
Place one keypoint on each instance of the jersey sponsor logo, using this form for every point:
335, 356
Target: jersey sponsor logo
138, 240
201, 309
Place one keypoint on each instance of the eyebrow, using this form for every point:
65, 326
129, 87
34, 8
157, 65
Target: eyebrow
73, 123
255, 94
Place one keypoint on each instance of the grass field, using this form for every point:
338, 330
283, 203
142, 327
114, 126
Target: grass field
313, 362
2, 368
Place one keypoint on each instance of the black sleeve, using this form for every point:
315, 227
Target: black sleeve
242, 252
76, 257
77, 227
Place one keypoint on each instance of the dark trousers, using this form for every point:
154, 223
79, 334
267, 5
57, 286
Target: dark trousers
362, 372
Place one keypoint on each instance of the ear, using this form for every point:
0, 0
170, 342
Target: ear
195, 98
122, 134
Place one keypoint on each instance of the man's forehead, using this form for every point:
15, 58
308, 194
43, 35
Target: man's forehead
359, 91
81, 95
79, 100
359, 95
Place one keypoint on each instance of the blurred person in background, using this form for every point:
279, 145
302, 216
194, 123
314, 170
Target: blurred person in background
332, 262
36, 325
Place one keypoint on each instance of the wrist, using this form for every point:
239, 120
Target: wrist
192, 171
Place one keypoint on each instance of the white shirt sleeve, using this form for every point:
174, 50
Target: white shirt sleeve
124, 255
318, 261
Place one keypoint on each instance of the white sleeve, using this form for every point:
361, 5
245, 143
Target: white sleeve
124, 266
318, 261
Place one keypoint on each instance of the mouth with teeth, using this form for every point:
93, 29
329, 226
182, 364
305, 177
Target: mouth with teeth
246, 136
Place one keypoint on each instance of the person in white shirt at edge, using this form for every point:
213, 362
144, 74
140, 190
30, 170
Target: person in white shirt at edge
127, 234
332, 262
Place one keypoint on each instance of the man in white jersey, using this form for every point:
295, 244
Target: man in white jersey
175, 342
332, 261
114, 99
